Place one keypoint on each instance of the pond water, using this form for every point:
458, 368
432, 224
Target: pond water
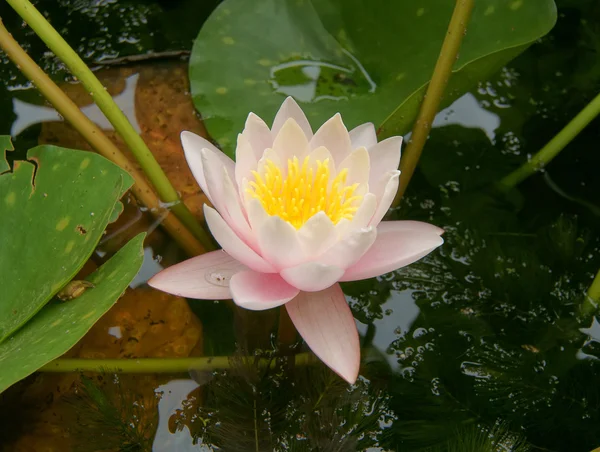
481, 346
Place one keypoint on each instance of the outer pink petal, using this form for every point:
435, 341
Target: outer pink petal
258, 134
398, 243
363, 136
260, 291
385, 190
312, 276
192, 147
385, 156
232, 244
326, 323
334, 136
205, 277
290, 109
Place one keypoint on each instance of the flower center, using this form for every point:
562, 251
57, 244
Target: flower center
304, 191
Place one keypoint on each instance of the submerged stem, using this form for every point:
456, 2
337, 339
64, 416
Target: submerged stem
156, 365
97, 139
554, 146
117, 118
433, 96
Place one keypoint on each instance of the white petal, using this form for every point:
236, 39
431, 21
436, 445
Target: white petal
290, 142
312, 276
391, 181
290, 109
192, 147
317, 235
357, 164
385, 157
349, 250
232, 244
361, 218
260, 291
245, 160
256, 214
363, 136
326, 324
334, 136
258, 135
398, 244
205, 277
279, 243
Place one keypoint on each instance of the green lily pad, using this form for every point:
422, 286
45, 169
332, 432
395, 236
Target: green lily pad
5, 145
58, 326
53, 215
369, 60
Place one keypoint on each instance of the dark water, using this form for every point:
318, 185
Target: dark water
481, 346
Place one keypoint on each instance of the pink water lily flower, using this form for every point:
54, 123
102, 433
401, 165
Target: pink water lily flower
296, 213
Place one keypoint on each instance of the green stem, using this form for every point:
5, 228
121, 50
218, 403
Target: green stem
156, 365
554, 146
590, 305
117, 118
433, 96
142, 190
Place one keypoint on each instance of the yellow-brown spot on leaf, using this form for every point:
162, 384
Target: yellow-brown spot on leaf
62, 224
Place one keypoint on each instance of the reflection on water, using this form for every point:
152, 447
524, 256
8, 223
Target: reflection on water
312, 81
29, 114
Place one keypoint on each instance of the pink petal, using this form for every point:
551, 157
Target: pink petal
232, 244
245, 160
290, 142
214, 169
326, 323
334, 136
385, 157
192, 147
258, 134
279, 243
349, 250
260, 291
204, 277
236, 216
290, 109
398, 243
312, 276
363, 136
385, 190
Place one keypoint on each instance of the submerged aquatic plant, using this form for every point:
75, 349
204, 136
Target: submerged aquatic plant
296, 214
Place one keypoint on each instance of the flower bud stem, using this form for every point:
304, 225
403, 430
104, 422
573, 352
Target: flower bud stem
98, 140
433, 96
553, 147
158, 365
117, 118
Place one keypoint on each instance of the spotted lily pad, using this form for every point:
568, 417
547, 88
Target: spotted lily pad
58, 326
370, 60
53, 210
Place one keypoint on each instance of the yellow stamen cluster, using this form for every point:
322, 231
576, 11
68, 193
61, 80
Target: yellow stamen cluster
304, 191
